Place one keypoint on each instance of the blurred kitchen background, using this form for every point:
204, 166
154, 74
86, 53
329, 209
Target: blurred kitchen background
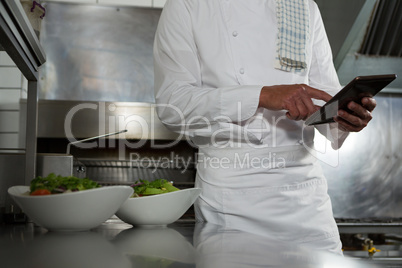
99, 74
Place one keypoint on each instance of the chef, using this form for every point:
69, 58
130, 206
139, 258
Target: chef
239, 78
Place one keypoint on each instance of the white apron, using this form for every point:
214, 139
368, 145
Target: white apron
276, 192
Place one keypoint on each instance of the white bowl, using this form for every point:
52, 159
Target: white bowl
161, 209
76, 211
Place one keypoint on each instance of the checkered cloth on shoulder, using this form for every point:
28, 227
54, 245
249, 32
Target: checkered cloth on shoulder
293, 18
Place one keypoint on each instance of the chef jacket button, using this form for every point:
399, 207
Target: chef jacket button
235, 34
241, 71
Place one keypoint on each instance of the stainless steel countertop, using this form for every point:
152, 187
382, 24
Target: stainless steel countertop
182, 244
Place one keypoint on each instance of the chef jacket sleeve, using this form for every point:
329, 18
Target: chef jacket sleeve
323, 76
183, 103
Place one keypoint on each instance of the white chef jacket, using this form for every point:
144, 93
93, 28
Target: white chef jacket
211, 59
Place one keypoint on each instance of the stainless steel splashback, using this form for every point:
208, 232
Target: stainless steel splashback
98, 53
367, 181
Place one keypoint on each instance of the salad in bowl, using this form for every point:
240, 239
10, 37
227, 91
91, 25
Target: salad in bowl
56, 184
156, 203
68, 203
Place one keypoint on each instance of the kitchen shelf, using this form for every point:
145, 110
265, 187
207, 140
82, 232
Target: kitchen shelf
19, 40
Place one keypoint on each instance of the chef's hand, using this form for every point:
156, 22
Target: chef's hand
360, 116
296, 99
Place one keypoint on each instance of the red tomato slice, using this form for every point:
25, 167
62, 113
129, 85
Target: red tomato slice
41, 192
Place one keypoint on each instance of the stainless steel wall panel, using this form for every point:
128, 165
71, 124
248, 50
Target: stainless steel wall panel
98, 53
367, 181
396, 152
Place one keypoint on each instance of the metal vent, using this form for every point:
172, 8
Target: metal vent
384, 36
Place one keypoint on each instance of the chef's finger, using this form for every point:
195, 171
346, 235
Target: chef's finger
345, 125
311, 108
369, 103
317, 94
360, 111
352, 119
293, 112
303, 110
304, 103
